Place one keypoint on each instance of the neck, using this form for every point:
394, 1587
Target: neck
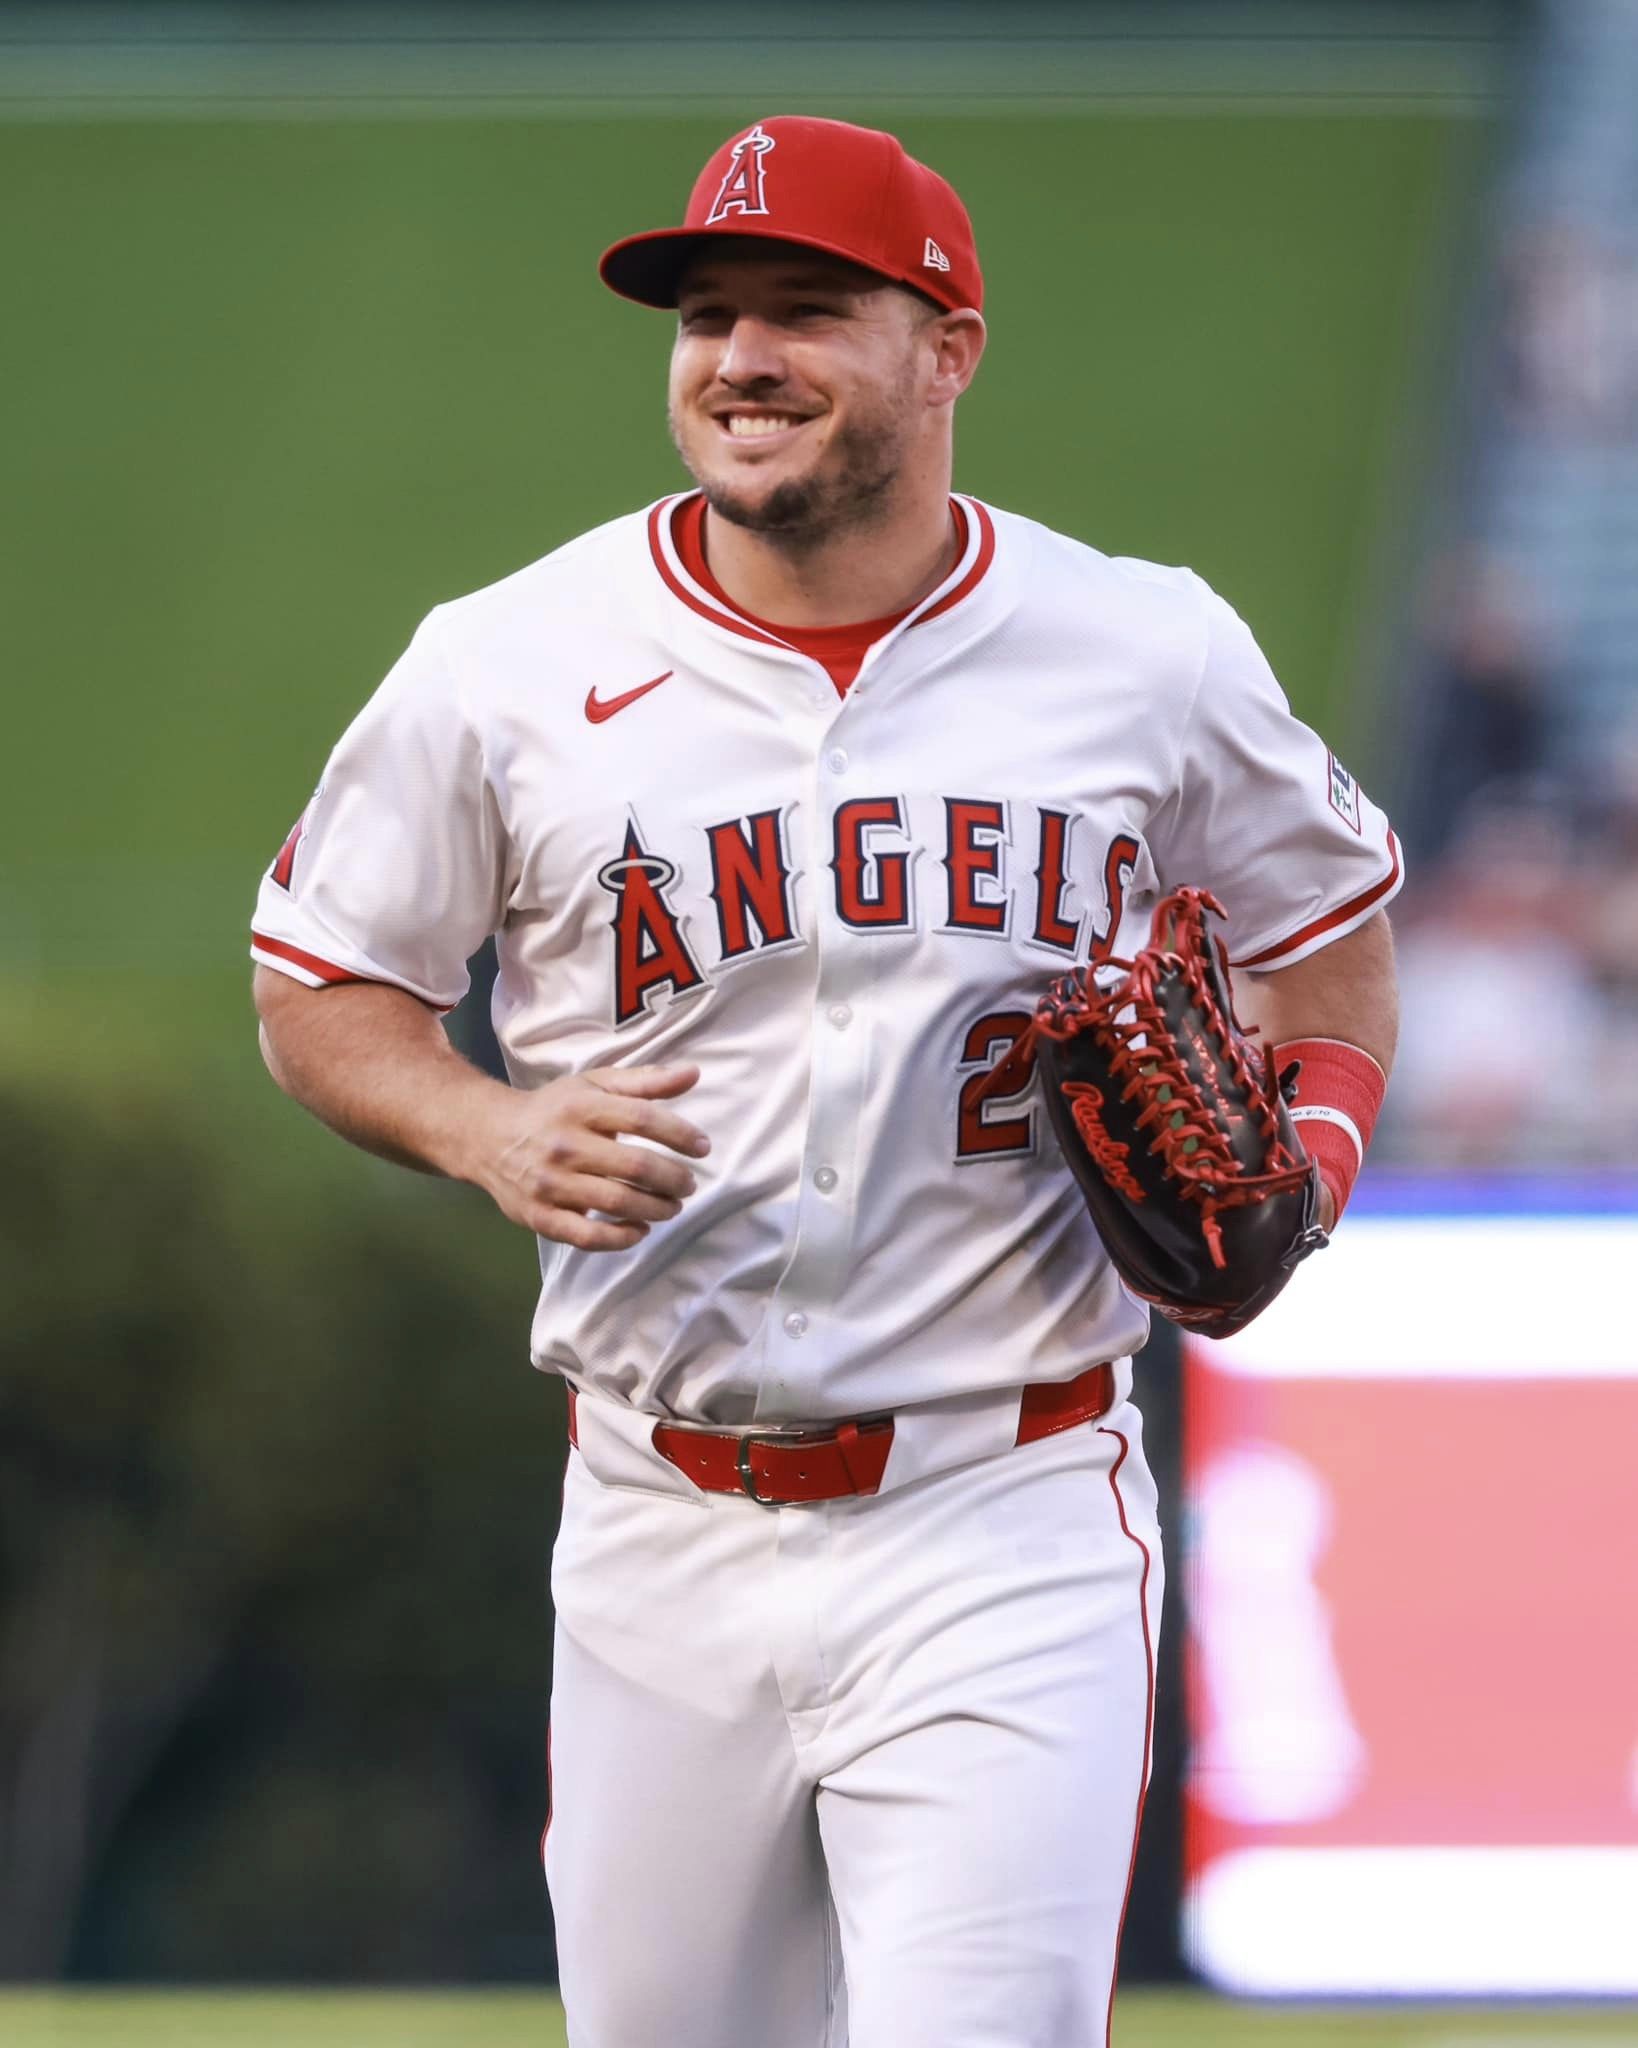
863, 572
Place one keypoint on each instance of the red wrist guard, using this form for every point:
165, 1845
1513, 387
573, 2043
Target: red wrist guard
1338, 1099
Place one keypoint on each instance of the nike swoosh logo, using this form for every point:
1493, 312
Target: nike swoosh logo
599, 708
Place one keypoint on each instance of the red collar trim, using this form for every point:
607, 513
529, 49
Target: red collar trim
663, 549
975, 563
976, 557
687, 531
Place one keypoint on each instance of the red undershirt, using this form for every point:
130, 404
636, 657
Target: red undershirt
839, 650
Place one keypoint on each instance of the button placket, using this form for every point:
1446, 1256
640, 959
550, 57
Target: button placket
818, 1269
822, 1244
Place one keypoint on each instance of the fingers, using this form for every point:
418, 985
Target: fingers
616, 1198
587, 1233
599, 1215
564, 1171
666, 1080
623, 1119
656, 1171
622, 1182
631, 1111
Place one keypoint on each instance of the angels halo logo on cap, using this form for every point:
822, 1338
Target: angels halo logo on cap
850, 192
741, 190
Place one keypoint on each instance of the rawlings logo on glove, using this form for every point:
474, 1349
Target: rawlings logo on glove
1179, 1136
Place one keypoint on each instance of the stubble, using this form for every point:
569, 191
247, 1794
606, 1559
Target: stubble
852, 489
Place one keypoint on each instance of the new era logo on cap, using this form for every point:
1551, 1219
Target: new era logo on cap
848, 192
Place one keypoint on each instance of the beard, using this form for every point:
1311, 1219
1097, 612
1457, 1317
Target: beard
805, 511
850, 486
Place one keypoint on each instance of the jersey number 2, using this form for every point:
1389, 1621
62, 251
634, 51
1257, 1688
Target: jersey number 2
984, 1129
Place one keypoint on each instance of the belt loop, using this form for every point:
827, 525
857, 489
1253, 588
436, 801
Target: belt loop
574, 1437
847, 1438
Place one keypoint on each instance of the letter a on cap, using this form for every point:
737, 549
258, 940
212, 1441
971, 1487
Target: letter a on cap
741, 190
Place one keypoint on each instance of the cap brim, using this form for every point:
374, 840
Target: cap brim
649, 268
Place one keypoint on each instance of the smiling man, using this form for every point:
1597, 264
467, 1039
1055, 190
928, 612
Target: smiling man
786, 798
809, 443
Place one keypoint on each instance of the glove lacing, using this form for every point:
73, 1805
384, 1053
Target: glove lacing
1186, 1138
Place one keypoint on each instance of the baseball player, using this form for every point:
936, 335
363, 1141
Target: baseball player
785, 797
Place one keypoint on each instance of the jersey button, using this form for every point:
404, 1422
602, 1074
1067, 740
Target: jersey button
836, 760
825, 1179
795, 1323
840, 1015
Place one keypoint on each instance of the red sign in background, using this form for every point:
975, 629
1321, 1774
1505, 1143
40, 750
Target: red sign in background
1413, 1613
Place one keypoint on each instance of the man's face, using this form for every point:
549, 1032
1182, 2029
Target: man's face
798, 387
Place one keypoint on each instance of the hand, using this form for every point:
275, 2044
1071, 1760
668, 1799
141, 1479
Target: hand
553, 1160
1327, 1210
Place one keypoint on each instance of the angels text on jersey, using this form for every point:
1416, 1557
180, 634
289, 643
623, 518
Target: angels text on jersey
878, 879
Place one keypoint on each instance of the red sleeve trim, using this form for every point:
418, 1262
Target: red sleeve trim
1333, 918
330, 974
326, 970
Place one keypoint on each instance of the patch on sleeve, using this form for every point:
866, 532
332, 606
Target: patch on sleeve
1344, 792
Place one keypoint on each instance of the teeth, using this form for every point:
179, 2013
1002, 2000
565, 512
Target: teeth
743, 424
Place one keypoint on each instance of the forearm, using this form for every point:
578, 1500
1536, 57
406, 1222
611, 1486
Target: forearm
1328, 1009
375, 1065
1348, 991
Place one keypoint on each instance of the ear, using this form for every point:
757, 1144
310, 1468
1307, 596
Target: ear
958, 340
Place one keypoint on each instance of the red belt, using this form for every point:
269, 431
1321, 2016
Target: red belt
845, 1458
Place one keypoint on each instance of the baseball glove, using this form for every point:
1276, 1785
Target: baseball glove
1179, 1136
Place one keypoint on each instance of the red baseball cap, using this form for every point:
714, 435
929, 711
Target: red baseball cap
852, 192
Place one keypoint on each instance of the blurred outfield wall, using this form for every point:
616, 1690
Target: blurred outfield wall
302, 336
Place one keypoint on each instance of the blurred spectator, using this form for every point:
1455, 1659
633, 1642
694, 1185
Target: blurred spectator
1504, 1029
1569, 330
1611, 926
1491, 717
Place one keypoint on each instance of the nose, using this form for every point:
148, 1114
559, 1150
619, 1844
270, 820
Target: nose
751, 353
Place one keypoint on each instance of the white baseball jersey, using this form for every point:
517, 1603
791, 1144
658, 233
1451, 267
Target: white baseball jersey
842, 908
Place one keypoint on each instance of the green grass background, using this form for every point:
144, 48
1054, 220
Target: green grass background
524, 2020
274, 389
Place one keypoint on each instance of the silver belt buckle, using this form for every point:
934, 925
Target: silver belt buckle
747, 1478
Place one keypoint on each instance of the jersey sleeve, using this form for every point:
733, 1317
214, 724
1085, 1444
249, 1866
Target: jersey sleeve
1265, 816
395, 872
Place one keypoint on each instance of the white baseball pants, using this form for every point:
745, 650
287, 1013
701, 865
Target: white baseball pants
861, 1774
